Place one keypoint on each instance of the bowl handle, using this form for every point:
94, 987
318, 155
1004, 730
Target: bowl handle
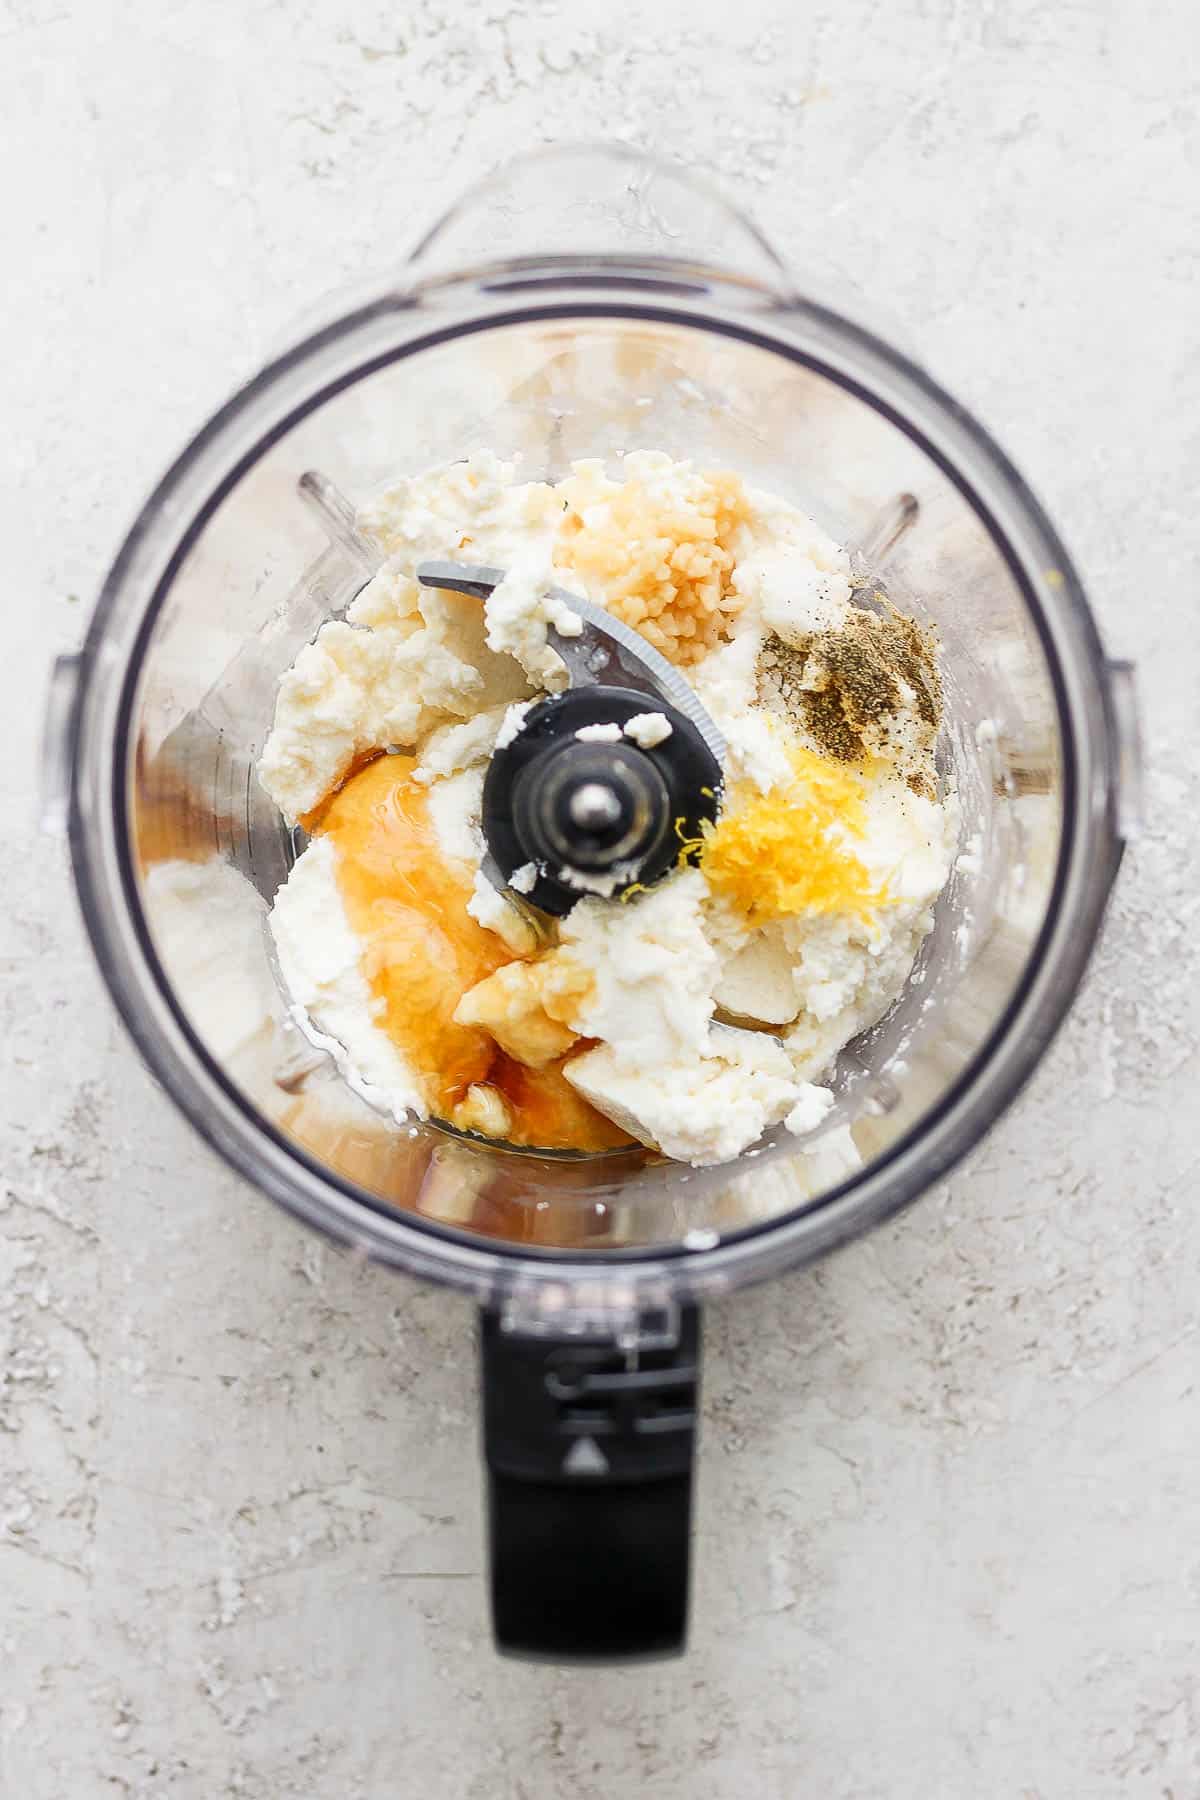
595, 203
589, 1450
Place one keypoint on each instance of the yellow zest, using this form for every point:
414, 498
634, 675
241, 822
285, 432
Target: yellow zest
784, 852
689, 847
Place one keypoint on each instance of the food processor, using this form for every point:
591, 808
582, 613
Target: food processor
581, 304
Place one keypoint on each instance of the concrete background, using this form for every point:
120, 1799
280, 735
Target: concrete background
949, 1530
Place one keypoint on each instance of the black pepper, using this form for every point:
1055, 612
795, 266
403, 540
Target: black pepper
869, 688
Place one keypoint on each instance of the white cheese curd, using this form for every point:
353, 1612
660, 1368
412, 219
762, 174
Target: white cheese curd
406, 656
702, 1109
813, 1104
725, 683
584, 881
495, 912
451, 748
648, 729
319, 959
473, 511
758, 749
518, 611
795, 577
793, 594
599, 734
697, 1091
651, 970
512, 724
355, 690
455, 806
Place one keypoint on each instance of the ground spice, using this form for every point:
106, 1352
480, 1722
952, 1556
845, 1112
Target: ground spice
869, 688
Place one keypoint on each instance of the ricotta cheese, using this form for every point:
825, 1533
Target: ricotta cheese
664, 984
648, 729
319, 959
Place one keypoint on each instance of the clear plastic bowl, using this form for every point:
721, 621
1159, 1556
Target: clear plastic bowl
624, 336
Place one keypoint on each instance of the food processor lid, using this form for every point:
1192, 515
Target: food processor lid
99, 693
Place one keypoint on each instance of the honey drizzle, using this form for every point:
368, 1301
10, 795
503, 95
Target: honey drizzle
421, 951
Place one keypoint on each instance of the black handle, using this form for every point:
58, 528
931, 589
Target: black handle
589, 1451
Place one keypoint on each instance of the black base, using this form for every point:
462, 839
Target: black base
589, 1451
594, 1576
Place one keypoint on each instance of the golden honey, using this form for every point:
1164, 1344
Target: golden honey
421, 951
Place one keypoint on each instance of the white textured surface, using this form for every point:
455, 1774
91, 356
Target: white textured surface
949, 1495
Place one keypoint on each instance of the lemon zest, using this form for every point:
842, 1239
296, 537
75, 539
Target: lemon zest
785, 852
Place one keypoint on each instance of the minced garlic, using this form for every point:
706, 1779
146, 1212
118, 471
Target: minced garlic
660, 556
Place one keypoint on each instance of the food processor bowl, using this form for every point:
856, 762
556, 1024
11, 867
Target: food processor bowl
642, 312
